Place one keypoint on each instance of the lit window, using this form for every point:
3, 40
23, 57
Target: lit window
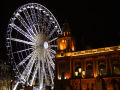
59, 77
89, 70
64, 33
67, 33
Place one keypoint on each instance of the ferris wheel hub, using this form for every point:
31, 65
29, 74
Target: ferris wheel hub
41, 41
45, 45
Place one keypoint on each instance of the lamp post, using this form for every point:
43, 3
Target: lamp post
11, 82
79, 71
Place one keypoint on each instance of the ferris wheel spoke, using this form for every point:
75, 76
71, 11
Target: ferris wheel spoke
34, 18
52, 55
15, 86
52, 32
43, 72
43, 65
21, 41
53, 46
48, 26
21, 31
40, 78
51, 61
27, 71
53, 51
28, 17
22, 50
53, 40
30, 68
40, 72
24, 60
29, 20
39, 19
46, 77
49, 69
35, 72
22, 21
33, 15
45, 22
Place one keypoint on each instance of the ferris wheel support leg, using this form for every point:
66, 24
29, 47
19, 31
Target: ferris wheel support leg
14, 88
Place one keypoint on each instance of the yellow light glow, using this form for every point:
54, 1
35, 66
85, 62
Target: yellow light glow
64, 33
61, 47
63, 44
83, 74
67, 33
73, 48
67, 76
79, 69
95, 75
11, 80
68, 54
76, 73
33, 84
59, 77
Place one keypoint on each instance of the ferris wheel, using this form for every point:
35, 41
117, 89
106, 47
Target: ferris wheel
32, 43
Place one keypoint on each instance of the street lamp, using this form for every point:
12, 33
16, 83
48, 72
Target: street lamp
76, 73
81, 74
79, 70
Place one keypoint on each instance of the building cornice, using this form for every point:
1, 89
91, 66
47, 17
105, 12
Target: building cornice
91, 51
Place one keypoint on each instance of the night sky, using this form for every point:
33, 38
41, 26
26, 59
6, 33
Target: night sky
92, 23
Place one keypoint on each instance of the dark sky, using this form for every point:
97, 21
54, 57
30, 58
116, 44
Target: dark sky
92, 23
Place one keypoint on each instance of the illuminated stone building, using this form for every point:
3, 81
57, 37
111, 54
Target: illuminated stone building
95, 69
5, 76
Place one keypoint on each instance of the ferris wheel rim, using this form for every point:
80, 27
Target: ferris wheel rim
40, 9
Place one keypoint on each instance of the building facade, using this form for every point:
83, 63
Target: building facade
95, 69
5, 76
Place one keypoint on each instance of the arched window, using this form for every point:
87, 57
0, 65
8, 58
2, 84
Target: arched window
116, 66
102, 68
89, 70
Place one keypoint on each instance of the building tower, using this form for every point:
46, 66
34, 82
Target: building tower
66, 42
